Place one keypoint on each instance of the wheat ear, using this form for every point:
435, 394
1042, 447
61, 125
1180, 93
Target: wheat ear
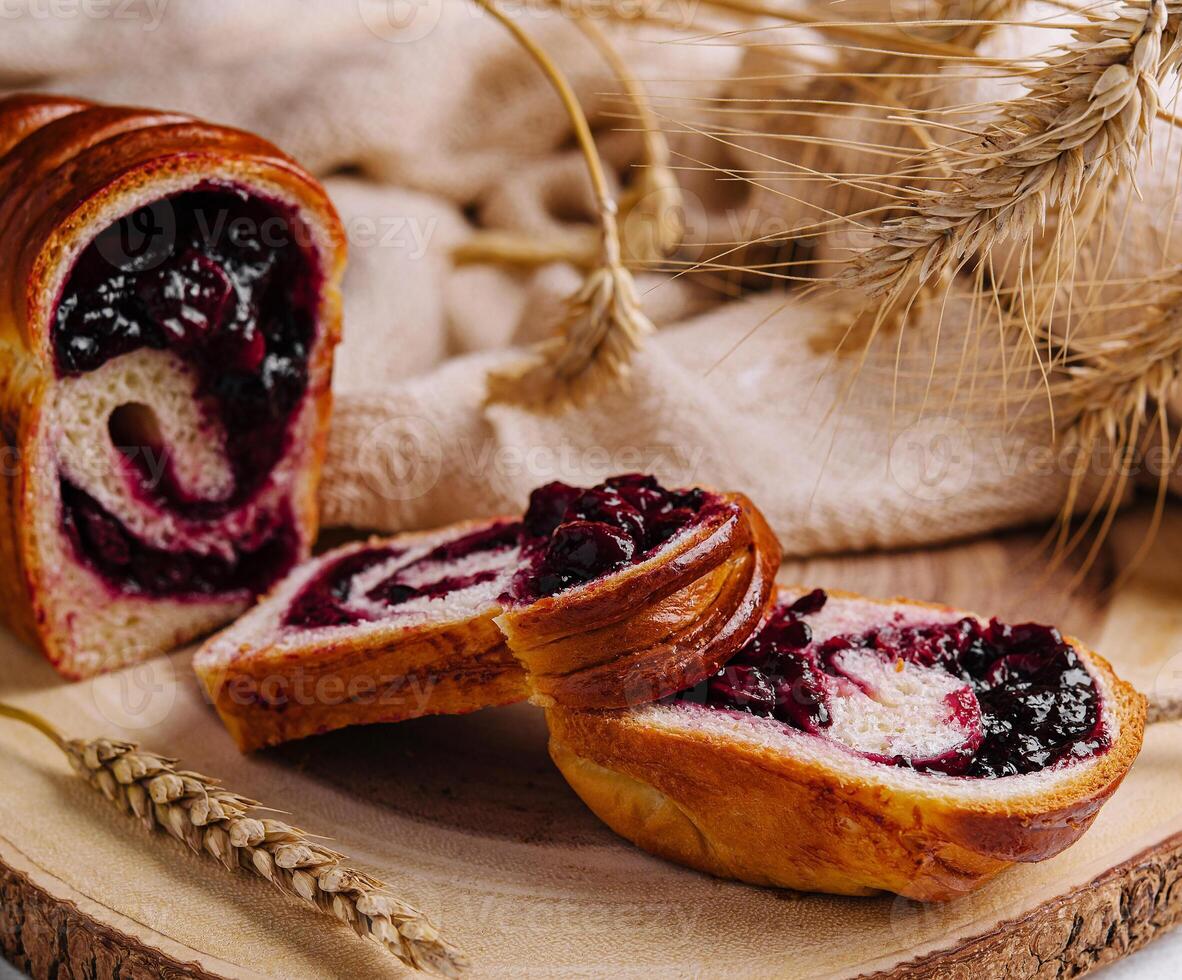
197, 811
1083, 122
604, 325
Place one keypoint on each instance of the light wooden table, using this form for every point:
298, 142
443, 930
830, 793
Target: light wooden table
469, 819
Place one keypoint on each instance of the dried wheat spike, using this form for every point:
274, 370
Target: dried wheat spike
603, 328
197, 811
1084, 121
605, 324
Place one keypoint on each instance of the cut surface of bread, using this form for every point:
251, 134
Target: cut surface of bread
167, 321
856, 746
587, 600
373, 632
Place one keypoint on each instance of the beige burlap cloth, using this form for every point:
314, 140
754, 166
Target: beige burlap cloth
428, 123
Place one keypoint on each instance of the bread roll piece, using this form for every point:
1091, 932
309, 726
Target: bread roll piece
169, 304
378, 631
599, 597
857, 746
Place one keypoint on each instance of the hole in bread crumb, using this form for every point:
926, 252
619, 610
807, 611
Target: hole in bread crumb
134, 427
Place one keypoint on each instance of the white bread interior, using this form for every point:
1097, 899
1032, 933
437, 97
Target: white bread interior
88, 626
899, 708
263, 627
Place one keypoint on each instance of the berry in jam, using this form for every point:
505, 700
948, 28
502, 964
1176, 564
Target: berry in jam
580, 551
547, 505
577, 535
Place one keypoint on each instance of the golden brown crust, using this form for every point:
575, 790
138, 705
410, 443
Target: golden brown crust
67, 168
801, 816
653, 629
265, 698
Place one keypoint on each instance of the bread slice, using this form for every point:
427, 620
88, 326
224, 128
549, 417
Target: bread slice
306, 661
169, 304
879, 782
480, 614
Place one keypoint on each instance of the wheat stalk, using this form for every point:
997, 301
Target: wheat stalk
604, 324
652, 208
1083, 122
214, 821
869, 33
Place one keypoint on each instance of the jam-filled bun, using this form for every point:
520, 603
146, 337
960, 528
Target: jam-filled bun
856, 746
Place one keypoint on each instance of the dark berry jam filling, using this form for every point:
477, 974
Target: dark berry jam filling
574, 535
324, 600
1037, 703
221, 279
103, 543
327, 599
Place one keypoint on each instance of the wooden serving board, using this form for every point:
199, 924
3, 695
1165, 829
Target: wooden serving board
467, 818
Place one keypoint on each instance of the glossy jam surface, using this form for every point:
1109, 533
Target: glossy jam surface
329, 600
140, 569
220, 279
567, 536
1037, 702
577, 535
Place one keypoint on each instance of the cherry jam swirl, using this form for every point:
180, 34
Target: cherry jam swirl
568, 535
140, 569
1039, 704
221, 279
327, 600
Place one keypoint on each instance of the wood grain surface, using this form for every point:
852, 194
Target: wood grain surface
467, 817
